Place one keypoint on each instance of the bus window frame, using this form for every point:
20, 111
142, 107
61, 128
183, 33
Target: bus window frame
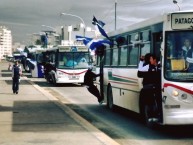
127, 55
110, 49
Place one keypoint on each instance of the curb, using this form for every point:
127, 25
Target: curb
102, 137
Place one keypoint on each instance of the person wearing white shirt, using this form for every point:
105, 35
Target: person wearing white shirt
151, 91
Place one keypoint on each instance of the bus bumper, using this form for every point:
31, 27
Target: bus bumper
63, 80
182, 117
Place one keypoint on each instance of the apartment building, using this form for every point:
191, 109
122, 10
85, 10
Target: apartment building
5, 42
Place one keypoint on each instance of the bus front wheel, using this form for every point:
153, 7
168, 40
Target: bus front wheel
54, 80
110, 98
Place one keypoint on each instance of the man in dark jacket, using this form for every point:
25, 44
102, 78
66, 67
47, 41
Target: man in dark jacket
144, 60
151, 73
88, 82
16, 72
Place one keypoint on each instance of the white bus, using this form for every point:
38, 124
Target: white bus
163, 36
66, 64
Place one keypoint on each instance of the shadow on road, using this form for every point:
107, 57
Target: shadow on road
40, 116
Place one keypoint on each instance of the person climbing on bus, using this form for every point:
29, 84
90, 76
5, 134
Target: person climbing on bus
151, 85
145, 60
88, 82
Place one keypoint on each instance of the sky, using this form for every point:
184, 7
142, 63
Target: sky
25, 17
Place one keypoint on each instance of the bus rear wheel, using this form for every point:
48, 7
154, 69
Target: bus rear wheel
110, 104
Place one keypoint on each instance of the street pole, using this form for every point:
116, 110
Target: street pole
115, 14
49, 27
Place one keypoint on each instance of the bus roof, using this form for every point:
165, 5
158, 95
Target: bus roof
138, 25
151, 21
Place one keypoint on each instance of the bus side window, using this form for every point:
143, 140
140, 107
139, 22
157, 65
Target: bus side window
133, 49
145, 46
115, 57
123, 55
107, 57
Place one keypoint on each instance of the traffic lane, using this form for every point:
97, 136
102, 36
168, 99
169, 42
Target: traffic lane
121, 124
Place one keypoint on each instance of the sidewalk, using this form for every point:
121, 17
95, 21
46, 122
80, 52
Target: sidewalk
34, 116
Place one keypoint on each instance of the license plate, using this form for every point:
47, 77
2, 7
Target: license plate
74, 77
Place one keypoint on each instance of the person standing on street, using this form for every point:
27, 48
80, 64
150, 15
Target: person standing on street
16, 73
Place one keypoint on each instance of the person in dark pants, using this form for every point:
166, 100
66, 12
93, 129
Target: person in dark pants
16, 72
88, 82
151, 74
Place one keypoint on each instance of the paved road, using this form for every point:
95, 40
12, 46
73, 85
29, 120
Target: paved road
36, 116
123, 126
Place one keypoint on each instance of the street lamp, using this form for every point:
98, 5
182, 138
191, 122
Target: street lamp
49, 27
76, 17
175, 2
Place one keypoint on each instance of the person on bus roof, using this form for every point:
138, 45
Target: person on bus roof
88, 82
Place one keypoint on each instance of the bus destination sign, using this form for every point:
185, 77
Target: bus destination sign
182, 21
72, 48
61, 49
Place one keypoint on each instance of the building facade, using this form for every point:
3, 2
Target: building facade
5, 42
69, 34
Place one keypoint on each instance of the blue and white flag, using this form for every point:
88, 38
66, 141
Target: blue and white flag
85, 40
95, 22
81, 38
93, 44
99, 25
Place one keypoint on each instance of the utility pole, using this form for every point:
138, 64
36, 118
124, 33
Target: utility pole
115, 14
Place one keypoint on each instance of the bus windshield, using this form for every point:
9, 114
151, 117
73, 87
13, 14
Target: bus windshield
73, 60
178, 65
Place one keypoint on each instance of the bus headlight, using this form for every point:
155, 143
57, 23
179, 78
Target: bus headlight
175, 93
